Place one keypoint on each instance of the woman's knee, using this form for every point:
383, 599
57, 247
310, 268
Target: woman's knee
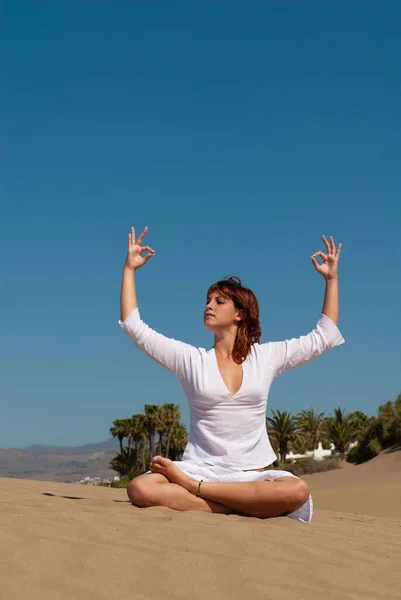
135, 491
298, 494
141, 490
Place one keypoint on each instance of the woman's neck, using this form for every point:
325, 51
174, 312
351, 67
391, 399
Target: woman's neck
224, 343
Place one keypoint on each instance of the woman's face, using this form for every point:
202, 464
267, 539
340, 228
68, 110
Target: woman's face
220, 312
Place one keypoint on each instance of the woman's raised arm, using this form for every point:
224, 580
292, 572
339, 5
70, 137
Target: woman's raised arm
173, 355
329, 270
289, 354
133, 262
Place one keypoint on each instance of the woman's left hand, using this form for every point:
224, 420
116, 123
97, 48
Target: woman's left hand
329, 267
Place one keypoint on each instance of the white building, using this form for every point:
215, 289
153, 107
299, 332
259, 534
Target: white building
318, 454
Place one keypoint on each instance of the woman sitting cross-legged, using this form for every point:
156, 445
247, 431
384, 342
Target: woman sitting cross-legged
223, 466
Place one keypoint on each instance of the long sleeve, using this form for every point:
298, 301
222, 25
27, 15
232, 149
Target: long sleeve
286, 355
173, 355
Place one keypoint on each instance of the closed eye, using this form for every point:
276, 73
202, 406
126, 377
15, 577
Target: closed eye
219, 300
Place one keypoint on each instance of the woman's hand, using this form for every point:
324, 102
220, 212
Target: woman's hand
329, 268
134, 259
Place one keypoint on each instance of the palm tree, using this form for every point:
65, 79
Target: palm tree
283, 427
143, 435
151, 423
179, 439
358, 421
340, 431
138, 437
161, 428
119, 430
389, 415
310, 423
171, 416
124, 462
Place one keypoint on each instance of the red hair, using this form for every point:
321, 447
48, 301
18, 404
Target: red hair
249, 330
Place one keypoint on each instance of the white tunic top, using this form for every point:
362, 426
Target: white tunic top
228, 430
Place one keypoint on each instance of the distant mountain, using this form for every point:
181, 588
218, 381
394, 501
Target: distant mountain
109, 444
58, 463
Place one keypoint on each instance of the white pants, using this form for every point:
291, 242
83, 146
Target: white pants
212, 473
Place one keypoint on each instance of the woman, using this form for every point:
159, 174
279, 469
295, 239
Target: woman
222, 469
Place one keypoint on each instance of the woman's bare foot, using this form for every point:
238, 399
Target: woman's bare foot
166, 467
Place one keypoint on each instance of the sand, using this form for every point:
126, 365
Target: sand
90, 543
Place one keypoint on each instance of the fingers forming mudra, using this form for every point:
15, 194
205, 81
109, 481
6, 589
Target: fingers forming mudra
134, 259
328, 268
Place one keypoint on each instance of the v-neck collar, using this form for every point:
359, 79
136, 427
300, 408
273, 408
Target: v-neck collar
221, 376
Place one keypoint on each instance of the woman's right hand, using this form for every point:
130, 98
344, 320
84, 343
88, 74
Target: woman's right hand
134, 259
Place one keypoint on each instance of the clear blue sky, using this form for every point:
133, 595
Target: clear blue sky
239, 132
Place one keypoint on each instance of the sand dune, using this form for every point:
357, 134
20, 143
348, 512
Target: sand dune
70, 542
373, 488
